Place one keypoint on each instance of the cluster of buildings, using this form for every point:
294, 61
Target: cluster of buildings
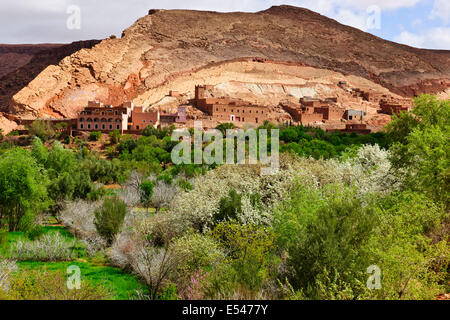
125, 118
132, 119
388, 104
228, 110
315, 110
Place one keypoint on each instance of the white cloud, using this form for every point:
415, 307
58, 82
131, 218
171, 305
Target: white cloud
441, 10
435, 38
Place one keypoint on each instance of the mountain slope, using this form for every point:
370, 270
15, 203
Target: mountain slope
175, 48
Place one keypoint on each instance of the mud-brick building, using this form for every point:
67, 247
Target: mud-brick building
228, 110
303, 114
359, 128
140, 120
126, 117
99, 117
390, 108
330, 112
354, 114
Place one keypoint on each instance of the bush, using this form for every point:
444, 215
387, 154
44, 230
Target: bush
249, 248
229, 207
330, 244
41, 129
35, 233
50, 247
7, 267
37, 285
146, 189
115, 136
95, 136
109, 218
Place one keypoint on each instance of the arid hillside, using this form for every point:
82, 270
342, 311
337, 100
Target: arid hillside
24, 63
176, 49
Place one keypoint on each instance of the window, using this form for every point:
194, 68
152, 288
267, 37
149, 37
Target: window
137, 127
115, 112
144, 121
118, 126
96, 126
110, 127
103, 126
256, 120
81, 126
89, 126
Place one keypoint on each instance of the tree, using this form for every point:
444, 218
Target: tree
146, 189
420, 147
95, 135
223, 127
109, 218
163, 195
328, 240
249, 248
229, 207
41, 129
115, 136
23, 191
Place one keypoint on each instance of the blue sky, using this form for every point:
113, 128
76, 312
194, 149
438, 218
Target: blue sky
420, 23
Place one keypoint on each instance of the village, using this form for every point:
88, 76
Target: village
130, 119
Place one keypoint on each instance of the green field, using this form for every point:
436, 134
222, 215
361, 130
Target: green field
122, 285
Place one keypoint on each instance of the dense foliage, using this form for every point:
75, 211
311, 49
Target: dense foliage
339, 207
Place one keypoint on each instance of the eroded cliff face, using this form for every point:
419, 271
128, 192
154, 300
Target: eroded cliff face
282, 46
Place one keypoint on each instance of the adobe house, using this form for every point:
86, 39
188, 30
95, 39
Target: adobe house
105, 118
173, 93
391, 109
354, 114
228, 110
182, 115
140, 120
303, 114
359, 128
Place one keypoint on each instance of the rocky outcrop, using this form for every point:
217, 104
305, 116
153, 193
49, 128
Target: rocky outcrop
42, 57
176, 49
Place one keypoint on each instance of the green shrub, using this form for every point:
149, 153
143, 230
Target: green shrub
115, 136
38, 285
95, 135
250, 249
229, 207
35, 233
109, 218
331, 243
41, 129
146, 189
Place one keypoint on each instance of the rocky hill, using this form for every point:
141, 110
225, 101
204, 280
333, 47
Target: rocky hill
40, 57
266, 52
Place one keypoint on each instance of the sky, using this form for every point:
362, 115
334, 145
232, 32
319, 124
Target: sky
418, 23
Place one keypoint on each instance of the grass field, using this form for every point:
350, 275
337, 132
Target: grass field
95, 270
